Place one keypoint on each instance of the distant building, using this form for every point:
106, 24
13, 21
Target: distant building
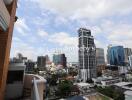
41, 62
100, 60
116, 55
108, 58
106, 81
87, 55
29, 66
128, 52
47, 59
130, 60
60, 59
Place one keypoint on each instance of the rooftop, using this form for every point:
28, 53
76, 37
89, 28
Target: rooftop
83, 84
120, 84
128, 93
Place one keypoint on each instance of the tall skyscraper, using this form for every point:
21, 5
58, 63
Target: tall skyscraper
116, 55
60, 59
108, 60
41, 62
87, 55
128, 52
130, 60
100, 60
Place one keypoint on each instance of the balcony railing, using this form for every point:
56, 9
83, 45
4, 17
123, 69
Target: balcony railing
35, 95
36, 85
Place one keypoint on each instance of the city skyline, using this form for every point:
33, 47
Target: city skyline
48, 25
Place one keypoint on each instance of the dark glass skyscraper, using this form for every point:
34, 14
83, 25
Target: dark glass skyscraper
87, 55
41, 62
60, 59
116, 55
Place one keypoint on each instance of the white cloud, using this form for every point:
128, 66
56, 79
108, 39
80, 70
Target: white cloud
87, 8
42, 33
63, 39
117, 33
21, 26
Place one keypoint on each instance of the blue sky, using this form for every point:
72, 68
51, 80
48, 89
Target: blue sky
46, 26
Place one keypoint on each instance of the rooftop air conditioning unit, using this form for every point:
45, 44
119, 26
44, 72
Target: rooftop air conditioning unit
4, 16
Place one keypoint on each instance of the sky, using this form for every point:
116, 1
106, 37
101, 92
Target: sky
49, 26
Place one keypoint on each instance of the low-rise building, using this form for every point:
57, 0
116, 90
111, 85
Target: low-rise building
128, 95
84, 88
21, 86
106, 81
123, 86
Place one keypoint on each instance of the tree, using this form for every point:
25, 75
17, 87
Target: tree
111, 92
64, 88
73, 72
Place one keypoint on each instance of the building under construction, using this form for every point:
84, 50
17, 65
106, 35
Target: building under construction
87, 55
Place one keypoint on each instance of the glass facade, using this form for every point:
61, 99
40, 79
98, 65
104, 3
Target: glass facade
59, 59
116, 56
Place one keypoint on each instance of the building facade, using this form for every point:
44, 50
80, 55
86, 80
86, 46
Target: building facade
128, 52
130, 60
7, 20
30, 65
87, 55
41, 62
100, 60
60, 59
116, 56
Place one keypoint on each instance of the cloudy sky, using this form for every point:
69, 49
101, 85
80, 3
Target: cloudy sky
48, 26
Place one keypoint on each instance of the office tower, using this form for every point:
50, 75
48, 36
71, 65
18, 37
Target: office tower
41, 62
87, 55
130, 60
128, 52
60, 59
30, 65
100, 60
116, 55
7, 19
108, 60
47, 59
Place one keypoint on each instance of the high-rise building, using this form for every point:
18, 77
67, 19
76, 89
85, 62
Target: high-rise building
87, 55
116, 55
60, 59
130, 60
41, 62
30, 65
100, 60
108, 60
47, 59
128, 52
